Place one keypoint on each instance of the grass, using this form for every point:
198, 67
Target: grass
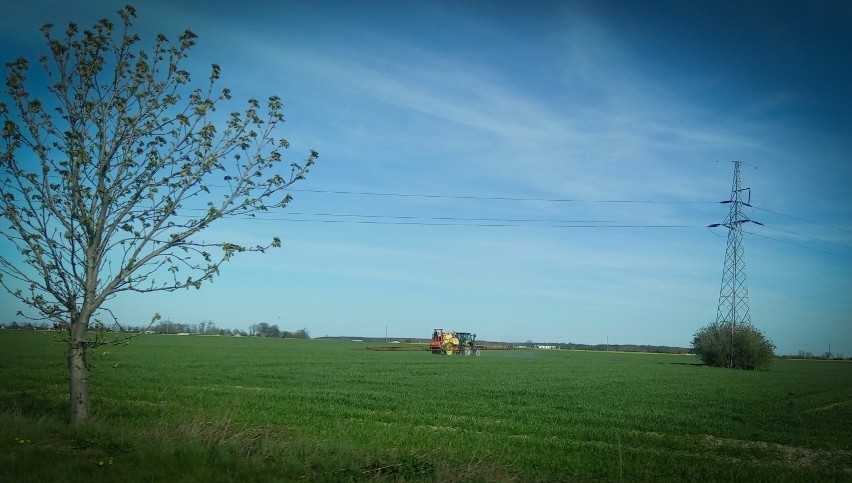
247, 409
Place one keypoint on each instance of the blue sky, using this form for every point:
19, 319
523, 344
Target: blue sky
466, 104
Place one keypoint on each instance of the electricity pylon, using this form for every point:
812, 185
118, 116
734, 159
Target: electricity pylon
733, 296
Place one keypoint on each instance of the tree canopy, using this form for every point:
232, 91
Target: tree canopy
112, 169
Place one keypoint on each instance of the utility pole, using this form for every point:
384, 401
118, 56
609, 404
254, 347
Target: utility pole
733, 295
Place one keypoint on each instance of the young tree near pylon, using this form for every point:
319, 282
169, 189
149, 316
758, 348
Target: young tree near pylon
732, 341
108, 179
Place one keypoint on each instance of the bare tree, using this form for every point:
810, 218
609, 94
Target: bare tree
109, 177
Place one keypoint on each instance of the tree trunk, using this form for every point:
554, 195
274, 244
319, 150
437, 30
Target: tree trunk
78, 376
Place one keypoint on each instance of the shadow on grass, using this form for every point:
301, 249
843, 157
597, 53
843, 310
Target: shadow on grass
30, 405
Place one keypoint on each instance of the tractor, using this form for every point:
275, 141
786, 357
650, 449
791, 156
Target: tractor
450, 343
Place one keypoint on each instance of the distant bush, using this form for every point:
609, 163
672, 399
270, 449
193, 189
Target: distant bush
299, 334
747, 349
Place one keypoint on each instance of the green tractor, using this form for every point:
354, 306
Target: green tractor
467, 343
451, 343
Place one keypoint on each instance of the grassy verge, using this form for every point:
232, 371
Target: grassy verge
170, 408
38, 450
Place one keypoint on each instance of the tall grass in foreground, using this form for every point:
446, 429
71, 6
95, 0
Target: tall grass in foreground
231, 409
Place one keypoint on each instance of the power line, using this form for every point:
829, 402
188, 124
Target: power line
467, 223
491, 198
809, 237
501, 222
802, 219
551, 200
451, 218
424, 219
546, 200
369, 219
799, 245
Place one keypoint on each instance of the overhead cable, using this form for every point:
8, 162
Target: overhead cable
501, 222
467, 223
802, 219
449, 218
799, 245
491, 198
809, 237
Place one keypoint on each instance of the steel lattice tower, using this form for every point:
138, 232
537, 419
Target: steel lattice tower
733, 296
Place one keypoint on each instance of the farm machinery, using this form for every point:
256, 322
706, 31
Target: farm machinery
448, 343
451, 343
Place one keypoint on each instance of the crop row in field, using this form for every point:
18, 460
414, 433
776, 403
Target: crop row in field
331, 410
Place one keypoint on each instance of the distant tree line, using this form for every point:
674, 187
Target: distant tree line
659, 349
263, 329
206, 327
810, 355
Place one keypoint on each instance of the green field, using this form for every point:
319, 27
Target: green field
191, 408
